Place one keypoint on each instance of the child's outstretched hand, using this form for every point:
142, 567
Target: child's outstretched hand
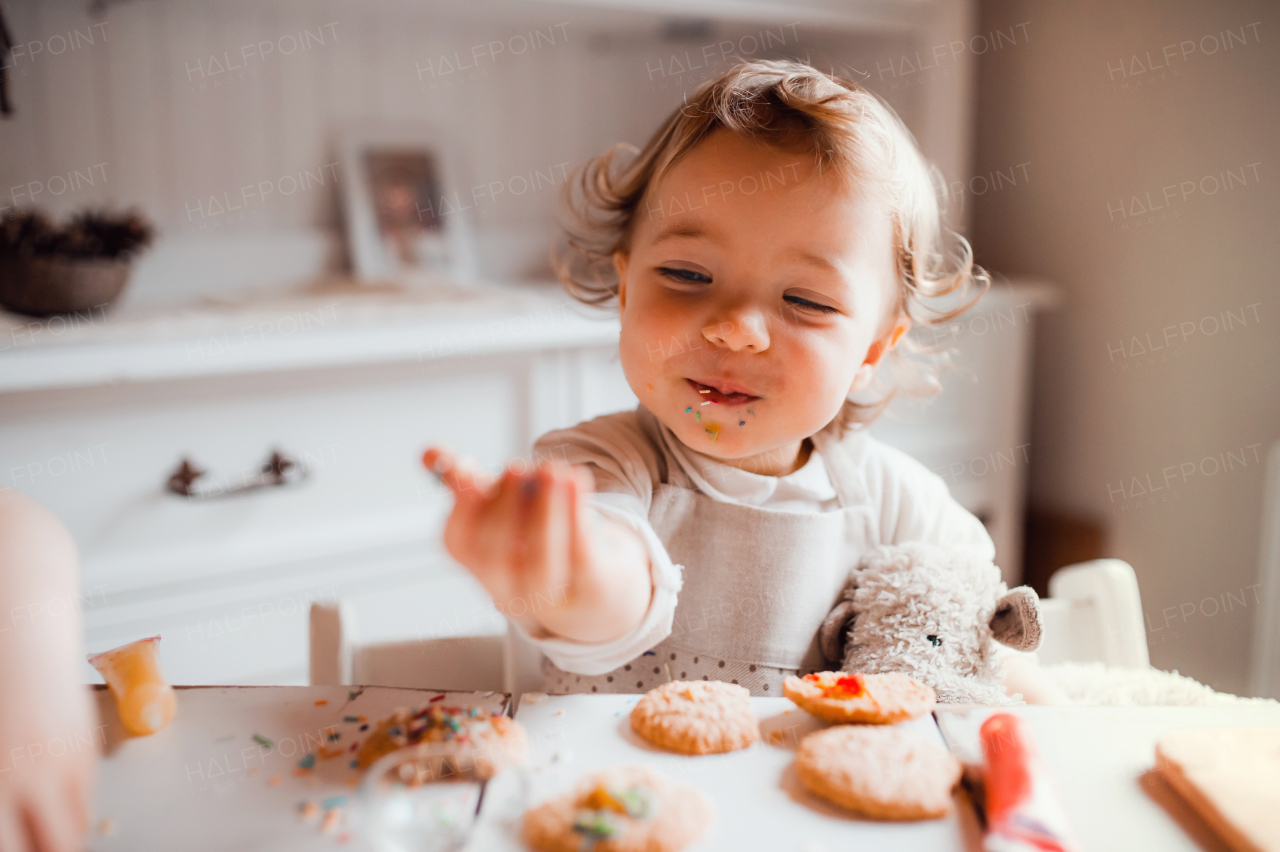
542, 551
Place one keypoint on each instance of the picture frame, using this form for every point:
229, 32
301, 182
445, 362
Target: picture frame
405, 219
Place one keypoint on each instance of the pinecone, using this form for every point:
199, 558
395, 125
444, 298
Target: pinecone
89, 234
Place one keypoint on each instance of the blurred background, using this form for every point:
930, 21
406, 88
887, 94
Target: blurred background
286, 245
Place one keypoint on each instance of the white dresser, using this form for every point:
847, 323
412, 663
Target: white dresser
96, 414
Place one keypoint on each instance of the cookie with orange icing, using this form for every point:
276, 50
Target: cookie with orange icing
878, 699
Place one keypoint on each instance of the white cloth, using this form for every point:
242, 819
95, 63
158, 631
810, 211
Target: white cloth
911, 502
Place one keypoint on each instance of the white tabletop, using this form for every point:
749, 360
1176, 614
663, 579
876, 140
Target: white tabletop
1102, 760
204, 783
758, 799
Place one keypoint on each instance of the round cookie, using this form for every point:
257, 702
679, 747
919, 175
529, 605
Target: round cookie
463, 738
880, 699
880, 772
626, 809
697, 717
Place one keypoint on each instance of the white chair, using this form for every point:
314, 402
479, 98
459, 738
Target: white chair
1094, 613
462, 663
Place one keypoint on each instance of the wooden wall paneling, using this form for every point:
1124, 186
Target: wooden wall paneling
54, 131
244, 120
69, 90
345, 87
136, 109
327, 68
299, 139
200, 168
22, 134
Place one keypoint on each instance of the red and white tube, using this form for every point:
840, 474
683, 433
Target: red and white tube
1024, 813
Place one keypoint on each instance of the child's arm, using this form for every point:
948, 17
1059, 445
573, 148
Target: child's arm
44, 793
542, 551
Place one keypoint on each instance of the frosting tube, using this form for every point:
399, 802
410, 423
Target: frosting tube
1023, 811
144, 699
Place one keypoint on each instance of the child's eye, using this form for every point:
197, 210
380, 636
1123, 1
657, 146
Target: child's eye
805, 303
684, 275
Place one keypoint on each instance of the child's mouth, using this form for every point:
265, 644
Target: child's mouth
709, 394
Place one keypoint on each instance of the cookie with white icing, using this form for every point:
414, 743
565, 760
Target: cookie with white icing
879, 699
879, 771
697, 717
626, 809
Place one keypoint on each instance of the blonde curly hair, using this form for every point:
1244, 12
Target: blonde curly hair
850, 134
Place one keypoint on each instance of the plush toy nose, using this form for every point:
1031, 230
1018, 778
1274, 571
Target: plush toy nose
937, 641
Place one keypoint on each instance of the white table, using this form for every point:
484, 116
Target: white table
1102, 761
203, 783
758, 799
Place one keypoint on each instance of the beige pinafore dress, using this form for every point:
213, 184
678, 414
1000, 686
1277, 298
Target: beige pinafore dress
757, 581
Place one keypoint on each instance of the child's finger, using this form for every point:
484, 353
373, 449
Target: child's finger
582, 516
461, 476
483, 530
547, 533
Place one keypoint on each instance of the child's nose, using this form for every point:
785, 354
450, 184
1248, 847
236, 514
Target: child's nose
740, 327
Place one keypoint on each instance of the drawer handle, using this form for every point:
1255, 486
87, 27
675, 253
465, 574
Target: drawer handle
277, 471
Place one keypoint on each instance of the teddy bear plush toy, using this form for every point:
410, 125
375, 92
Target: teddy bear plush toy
934, 613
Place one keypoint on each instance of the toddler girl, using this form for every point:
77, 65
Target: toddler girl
767, 249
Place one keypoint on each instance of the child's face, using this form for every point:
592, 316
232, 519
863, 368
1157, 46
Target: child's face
774, 302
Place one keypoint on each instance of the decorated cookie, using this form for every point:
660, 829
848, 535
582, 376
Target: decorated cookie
466, 737
697, 717
883, 772
627, 809
879, 699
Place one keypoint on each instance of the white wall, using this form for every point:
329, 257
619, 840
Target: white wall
1109, 409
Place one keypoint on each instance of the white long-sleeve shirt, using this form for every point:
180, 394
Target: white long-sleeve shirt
914, 505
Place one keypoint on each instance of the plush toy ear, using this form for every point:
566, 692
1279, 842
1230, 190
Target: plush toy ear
834, 632
1017, 621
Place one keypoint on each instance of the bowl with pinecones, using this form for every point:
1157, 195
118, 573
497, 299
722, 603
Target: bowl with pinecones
48, 269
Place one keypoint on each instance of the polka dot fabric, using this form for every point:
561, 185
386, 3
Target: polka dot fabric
644, 673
